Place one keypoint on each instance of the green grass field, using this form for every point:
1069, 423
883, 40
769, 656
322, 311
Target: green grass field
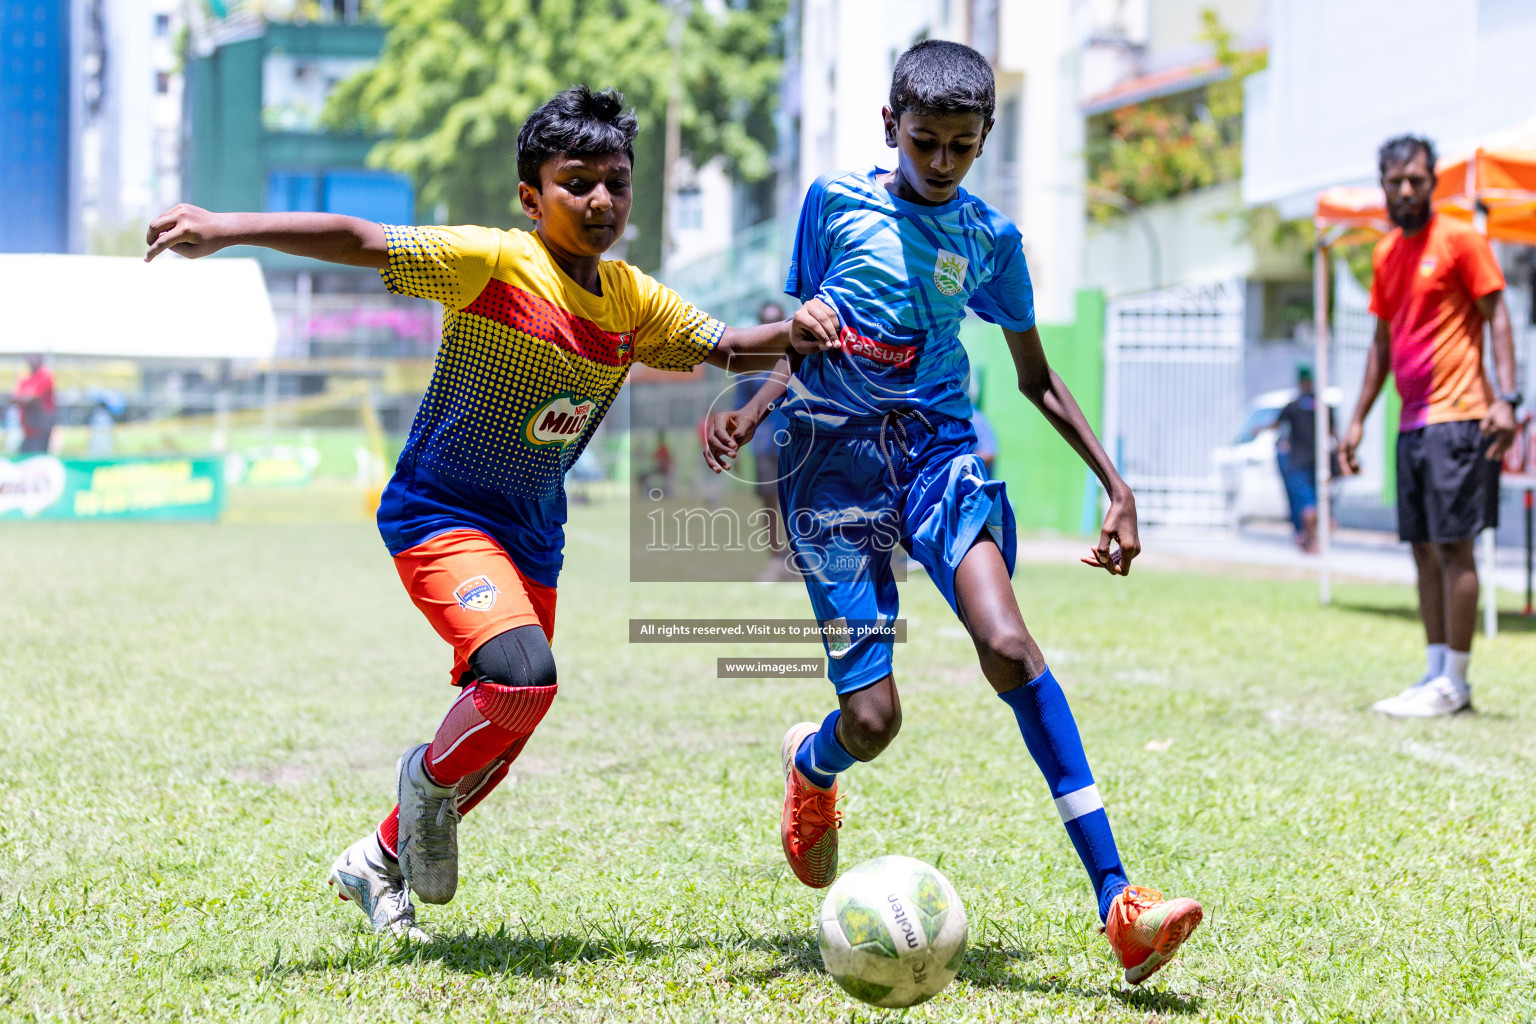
195, 719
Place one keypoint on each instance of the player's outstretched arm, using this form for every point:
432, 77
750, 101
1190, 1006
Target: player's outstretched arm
1040, 384
813, 328
191, 231
751, 348
728, 431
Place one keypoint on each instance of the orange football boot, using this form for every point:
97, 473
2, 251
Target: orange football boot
1145, 930
809, 823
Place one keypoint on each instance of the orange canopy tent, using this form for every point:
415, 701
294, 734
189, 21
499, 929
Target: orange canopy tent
1499, 176
1494, 187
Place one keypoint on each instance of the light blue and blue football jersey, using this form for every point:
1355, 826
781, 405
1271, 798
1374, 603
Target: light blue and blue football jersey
900, 276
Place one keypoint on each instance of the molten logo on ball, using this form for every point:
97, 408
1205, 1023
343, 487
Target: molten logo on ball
892, 932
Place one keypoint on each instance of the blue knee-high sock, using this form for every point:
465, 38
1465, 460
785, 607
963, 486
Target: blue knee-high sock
1051, 734
822, 755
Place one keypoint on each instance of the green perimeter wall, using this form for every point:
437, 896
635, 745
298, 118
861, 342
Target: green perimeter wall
1048, 485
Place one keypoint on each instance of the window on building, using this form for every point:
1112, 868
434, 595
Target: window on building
294, 88
1008, 129
162, 82
162, 26
381, 196
690, 209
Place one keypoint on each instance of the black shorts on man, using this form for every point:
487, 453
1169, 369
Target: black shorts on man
1447, 487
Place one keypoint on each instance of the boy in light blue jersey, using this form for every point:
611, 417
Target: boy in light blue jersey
881, 451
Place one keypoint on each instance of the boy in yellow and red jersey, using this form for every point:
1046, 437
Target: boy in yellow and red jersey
538, 336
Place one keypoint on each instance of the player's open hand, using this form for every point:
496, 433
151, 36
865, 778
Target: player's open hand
1348, 464
1499, 425
186, 230
1119, 529
815, 328
724, 436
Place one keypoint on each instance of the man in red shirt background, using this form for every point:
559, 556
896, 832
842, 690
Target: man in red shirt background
1435, 284
34, 397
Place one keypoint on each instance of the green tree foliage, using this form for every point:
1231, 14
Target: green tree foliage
1149, 152
458, 77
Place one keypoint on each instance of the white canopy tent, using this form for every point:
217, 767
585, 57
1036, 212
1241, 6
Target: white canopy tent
122, 307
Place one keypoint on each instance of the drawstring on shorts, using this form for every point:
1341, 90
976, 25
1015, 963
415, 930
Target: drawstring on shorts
894, 421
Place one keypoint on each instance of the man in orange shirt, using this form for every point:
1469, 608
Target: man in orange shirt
1435, 284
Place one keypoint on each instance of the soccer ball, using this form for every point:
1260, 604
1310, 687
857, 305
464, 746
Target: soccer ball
892, 932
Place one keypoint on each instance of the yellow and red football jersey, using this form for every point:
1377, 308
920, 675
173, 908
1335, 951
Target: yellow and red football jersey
529, 364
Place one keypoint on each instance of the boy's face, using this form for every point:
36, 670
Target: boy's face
935, 151
582, 204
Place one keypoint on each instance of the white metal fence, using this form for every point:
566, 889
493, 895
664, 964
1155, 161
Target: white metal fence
1173, 390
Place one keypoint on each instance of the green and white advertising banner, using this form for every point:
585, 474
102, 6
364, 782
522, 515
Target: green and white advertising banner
44, 487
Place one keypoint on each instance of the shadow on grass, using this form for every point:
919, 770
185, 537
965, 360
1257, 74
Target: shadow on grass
1509, 622
540, 956
534, 956
989, 968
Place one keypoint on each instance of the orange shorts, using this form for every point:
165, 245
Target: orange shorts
469, 589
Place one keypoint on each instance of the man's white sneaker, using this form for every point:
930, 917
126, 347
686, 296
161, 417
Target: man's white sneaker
363, 876
429, 830
1441, 696
1386, 704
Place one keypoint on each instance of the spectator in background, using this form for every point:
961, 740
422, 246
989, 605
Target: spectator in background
100, 427
39, 411
1296, 452
1435, 285
659, 476
771, 436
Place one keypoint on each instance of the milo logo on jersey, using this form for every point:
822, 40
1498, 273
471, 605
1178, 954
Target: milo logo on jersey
559, 421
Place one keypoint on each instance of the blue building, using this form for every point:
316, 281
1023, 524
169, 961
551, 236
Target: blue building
34, 125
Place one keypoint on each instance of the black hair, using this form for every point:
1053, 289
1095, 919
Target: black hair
579, 122
1401, 148
936, 76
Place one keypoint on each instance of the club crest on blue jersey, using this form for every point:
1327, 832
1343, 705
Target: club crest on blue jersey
476, 594
949, 272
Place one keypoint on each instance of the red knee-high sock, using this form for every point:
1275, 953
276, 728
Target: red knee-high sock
485, 721
475, 746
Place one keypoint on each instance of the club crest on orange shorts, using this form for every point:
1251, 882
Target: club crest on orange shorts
469, 588
476, 594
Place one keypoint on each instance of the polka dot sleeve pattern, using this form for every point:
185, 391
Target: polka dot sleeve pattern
446, 265
674, 334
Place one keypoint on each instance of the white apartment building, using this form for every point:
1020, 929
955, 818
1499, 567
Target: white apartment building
1345, 75
130, 136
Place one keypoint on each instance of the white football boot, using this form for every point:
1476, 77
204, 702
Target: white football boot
1440, 696
1387, 703
365, 877
429, 830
